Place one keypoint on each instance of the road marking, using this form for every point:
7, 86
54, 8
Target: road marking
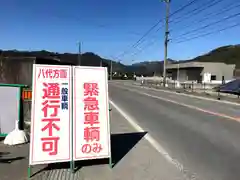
154, 143
182, 94
186, 105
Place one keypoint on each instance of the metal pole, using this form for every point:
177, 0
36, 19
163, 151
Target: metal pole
166, 41
79, 53
111, 71
72, 163
178, 72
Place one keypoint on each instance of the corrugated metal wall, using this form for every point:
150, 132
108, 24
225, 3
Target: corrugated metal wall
16, 71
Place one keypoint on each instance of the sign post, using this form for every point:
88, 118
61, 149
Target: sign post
70, 115
72, 163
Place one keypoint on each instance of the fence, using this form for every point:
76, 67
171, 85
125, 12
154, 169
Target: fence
181, 85
207, 88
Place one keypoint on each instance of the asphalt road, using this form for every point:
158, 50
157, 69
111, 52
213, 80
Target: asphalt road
203, 136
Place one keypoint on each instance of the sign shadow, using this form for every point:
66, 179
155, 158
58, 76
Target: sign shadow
121, 144
8, 160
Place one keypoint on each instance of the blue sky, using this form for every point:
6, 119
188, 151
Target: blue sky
110, 27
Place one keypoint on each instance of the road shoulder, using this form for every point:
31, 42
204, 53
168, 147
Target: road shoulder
133, 156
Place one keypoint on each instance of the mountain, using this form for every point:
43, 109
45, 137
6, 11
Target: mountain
87, 59
227, 54
149, 68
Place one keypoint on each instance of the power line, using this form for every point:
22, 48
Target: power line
209, 33
145, 47
197, 12
206, 34
80, 19
138, 42
210, 24
183, 7
212, 14
148, 45
153, 42
154, 26
185, 40
154, 36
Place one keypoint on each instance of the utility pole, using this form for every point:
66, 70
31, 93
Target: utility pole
111, 70
166, 41
79, 53
178, 71
133, 70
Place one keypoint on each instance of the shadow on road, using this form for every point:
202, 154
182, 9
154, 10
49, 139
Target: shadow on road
121, 144
8, 160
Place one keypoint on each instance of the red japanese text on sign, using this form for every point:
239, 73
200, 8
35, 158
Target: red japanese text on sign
91, 118
51, 91
91, 104
52, 104
50, 125
52, 73
91, 134
50, 108
92, 131
88, 148
50, 145
91, 89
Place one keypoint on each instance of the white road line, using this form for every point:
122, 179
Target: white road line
186, 105
154, 143
182, 94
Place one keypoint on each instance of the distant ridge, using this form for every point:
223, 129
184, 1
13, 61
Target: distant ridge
227, 54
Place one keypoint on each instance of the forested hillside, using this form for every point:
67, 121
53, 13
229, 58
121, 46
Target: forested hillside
227, 54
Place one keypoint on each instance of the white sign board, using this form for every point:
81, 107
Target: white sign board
8, 115
51, 114
90, 113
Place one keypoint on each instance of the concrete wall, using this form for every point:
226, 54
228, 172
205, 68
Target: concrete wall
186, 74
195, 70
182, 74
219, 70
